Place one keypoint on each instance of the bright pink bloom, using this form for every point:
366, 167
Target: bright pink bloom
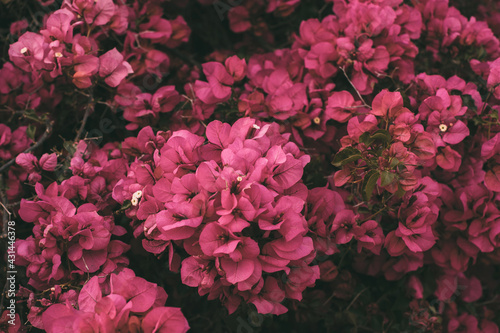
112, 67
165, 319
345, 226
85, 67
28, 52
341, 106
272, 296
494, 78
218, 88
388, 105
236, 67
58, 26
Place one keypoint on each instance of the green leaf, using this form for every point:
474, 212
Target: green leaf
369, 183
30, 132
482, 53
363, 210
365, 138
400, 192
30, 114
406, 100
382, 135
126, 205
351, 317
387, 178
68, 146
478, 121
346, 155
394, 162
494, 114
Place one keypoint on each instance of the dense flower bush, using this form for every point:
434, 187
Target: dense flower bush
326, 165
234, 204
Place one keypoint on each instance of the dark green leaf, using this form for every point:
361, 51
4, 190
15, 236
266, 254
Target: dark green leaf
351, 317
346, 155
382, 136
30, 114
30, 132
369, 183
387, 178
468, 101
68, 146
400, 192
363, 210
406, 100
126, 205
365, 138
394, 162
482, 53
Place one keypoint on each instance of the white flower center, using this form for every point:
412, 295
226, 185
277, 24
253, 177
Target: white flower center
257, 127
24, 50
239, 178
58, 54
317, 120
443, 127
137, 195
134, 201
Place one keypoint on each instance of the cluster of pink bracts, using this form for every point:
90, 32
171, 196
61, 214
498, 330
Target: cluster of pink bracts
417, 166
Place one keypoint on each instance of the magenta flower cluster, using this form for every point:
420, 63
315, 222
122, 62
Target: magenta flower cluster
363, 144
123, 302
233, 204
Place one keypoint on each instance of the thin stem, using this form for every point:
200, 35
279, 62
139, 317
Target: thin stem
376, 213
6, 212
355, 298
355, 89
88, 110
46, 134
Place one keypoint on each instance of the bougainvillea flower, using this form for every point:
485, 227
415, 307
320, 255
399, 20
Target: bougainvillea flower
58, 26
28, 52
219, 83
165, 319
112, 67
493, 81
236, 67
